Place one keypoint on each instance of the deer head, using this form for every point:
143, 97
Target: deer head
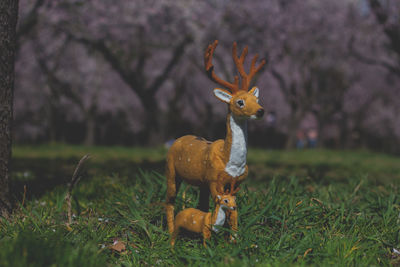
243, 103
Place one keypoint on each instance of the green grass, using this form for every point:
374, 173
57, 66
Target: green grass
314, 207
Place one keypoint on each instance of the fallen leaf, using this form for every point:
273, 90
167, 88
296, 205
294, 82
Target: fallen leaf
118, 246
307, 251
317, 200
310, 188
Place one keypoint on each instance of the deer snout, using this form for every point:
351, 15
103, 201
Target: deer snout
260, 113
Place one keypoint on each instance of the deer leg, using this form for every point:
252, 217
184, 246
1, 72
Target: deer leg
173, 184
214, 187
204, 201
172, 191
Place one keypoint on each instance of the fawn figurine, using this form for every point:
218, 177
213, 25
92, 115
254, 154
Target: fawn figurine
198, 221
212, 165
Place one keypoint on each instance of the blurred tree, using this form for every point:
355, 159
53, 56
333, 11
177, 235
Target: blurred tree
8, 24
131, 57
376, 47
72, 90
139, 65
387, 16
309, 64
29, 21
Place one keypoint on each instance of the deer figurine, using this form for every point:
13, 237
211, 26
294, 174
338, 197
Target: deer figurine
213, 165
198, 221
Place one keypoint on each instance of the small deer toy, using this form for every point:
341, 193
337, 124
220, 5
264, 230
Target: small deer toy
198, 221
213, 165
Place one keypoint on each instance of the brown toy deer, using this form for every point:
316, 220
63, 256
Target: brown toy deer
212, 165
202, 222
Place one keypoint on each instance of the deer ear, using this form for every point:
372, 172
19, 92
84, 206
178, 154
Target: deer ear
223, 95
254, 91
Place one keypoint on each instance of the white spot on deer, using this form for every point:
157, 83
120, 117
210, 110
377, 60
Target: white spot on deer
180, 158
188, 159
192, 215
190, 144
194, 222
205, 162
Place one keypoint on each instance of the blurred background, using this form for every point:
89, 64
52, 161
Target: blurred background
116, 72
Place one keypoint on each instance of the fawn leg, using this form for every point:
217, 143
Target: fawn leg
174, 235
206, 235
233, 222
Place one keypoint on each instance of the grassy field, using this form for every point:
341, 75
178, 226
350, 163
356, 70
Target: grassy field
312, 207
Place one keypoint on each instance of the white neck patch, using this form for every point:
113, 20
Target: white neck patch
236, 165
220, 219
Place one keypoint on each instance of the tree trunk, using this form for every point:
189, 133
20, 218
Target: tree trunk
151, 131
294, 123
8, 23
291, 140
90, 129
53, 120
344, 132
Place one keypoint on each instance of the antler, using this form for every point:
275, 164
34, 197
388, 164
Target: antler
232, 190
234, 87
246, 78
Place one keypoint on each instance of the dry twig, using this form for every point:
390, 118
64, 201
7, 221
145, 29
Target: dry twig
74, 181
23, 199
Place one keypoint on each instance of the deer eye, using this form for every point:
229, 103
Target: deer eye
226, 201
240, 103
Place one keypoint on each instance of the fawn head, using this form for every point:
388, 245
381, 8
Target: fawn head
227, 199
227, 202
243, 103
